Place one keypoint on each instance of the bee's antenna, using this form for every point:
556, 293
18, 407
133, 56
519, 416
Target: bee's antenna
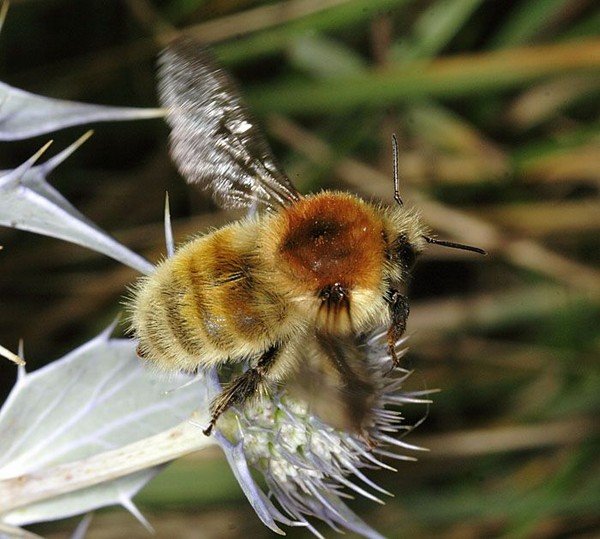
396, 181
454, 245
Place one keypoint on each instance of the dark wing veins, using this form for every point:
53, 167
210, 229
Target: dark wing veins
214, 140
356, 389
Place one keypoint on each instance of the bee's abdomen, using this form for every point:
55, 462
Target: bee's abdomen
208, 304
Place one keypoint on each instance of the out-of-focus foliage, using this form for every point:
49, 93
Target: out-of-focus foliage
496, 108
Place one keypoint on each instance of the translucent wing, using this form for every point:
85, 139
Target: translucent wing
214, 141
334, 378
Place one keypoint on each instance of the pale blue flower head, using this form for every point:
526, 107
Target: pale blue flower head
309, 467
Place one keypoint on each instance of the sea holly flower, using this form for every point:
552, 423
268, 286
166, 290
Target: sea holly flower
308, 466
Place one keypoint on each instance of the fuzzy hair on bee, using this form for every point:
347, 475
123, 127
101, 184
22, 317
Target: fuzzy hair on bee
293, 289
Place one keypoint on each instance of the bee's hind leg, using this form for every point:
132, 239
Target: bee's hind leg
243, 388
399, 309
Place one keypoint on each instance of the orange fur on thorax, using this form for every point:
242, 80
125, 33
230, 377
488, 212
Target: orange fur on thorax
332, 238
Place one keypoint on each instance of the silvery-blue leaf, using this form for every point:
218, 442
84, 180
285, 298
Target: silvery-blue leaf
29, 202
82, 528
265, 510
13, 532
24, 115
97, 398
169, 241
82, 501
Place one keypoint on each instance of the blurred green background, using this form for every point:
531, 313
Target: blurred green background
495, 105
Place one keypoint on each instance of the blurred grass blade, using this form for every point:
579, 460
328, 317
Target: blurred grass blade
324, 58
547, 218
24, 115
570, 156
545, 101
436, 26
98, 397
290, 19
339, 14
281, 13
577, 136
450, 132
527, 20
177, 10
29, 202
466, 75
3, 12
511, 498
578, 164
587, 27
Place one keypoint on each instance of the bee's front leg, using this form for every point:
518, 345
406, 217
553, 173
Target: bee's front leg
243, 388
399, 309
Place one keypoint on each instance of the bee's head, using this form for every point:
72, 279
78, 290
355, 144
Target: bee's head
407, 232
405, 240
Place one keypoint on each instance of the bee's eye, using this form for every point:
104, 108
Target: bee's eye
402, 252
407, 255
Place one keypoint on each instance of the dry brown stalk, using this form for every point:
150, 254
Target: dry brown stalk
509, 438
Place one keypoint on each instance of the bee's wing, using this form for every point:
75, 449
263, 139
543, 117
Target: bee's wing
334, 379
214, 141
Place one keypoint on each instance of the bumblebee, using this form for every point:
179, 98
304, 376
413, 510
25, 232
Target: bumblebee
299, 283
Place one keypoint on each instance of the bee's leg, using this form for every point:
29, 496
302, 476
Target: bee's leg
399, 310
244, 387
356, 388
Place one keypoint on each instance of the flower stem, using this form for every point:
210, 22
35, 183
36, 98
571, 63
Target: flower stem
47, 483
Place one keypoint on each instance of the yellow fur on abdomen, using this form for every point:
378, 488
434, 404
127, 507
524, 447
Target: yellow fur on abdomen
212, 301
